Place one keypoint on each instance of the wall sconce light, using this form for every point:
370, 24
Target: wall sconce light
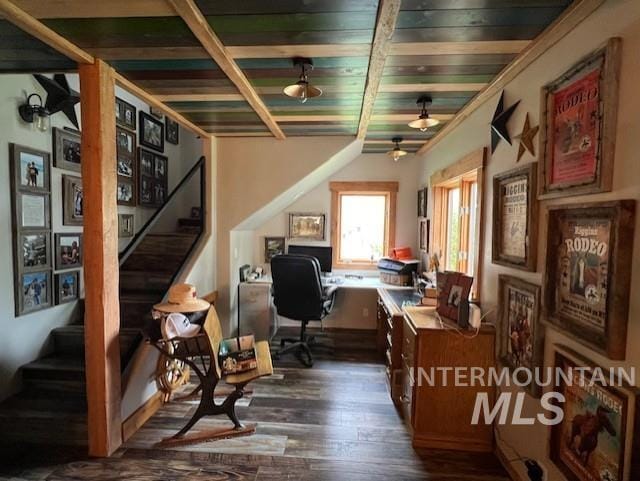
35, 113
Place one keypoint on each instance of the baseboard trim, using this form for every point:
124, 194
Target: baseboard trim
504, 460
141, 415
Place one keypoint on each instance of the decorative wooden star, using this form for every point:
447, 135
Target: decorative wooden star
526, 138
499, 123
60, 97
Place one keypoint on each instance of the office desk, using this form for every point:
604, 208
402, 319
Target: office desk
343, 282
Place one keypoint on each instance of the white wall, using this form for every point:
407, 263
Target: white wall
613, 18
351, 304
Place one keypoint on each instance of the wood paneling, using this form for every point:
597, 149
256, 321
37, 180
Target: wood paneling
102, 305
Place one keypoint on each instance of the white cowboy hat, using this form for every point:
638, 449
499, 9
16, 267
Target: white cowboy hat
178, 325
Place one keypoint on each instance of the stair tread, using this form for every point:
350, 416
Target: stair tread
57, 362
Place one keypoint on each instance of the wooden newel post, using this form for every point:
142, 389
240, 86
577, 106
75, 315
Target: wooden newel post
101, 270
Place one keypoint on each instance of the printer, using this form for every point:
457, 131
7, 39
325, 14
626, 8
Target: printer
397, 272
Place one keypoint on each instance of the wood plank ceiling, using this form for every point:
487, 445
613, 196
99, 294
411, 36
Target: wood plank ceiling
449, 49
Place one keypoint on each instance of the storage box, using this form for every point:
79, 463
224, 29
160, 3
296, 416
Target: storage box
396, 279
237, 354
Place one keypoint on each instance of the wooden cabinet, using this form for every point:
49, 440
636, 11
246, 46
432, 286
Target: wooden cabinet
439, 413
390, 322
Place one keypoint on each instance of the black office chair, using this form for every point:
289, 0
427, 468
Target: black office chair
298, 294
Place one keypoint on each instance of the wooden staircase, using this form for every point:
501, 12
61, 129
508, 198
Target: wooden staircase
53, 398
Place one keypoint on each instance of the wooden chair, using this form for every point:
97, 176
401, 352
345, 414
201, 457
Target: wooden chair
200, 353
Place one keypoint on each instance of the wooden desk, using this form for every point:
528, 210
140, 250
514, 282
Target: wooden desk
437, 416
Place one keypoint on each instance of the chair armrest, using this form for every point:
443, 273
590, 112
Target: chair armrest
330, 291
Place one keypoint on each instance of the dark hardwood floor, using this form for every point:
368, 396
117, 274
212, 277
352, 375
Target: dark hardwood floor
333, 422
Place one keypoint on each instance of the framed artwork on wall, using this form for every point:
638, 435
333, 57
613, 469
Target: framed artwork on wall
125, 114
306, 226
172, 131
452, 288
32, 211
35, 250
520, 334
578, 126
422, 235
125, 225
588, 273
151, 132
33, 292
66, 149
422, 202
125, 193
595, 440
273, 246
515, 218
67, 286
72, 200
68, 250
31, 169
125, 144
145, 191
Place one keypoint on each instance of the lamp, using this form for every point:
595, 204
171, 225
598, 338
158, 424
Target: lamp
302, 89
423, 122
35, 113
397, 152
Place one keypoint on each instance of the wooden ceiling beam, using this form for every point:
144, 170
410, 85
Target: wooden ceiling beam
198, 24
385, 25
34, 27
95, 8
565, 23
155, 102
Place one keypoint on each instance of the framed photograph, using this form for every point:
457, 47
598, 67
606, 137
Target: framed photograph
157, 113
125, 144
595, 439
32, 211
160, 167
126, 194
151, 132
66, 149
520, 334
588, 273
515, 218
145, 191
172, 131
125, 225
273, 246
159, 193
422, 235
578, 126
68, 251
455, 288
306, 226
428, 234
125, 114
422, 202
67, 286
31, 169
72, 200
125, 167
145, 162
35, 251
33, 292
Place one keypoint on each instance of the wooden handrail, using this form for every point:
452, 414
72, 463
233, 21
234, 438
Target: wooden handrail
198, 166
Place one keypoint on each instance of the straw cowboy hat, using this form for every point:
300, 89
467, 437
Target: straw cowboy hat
182, 298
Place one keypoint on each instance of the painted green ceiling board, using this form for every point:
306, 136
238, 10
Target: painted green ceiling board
292, 22
297, 38
422, 70
468, 4
230, 7
467, 34
479, 17
466, 59
167, 65
318, 62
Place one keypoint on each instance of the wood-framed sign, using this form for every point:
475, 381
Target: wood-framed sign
578, 126
594, 409
588, 273
515, 218
520, 333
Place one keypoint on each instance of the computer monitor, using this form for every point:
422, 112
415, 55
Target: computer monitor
323, 254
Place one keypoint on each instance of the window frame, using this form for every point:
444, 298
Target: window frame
462, 174
389, 190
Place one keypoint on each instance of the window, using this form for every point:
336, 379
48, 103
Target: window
456, 217
363, 222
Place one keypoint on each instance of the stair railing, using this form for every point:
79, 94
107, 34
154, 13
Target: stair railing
146, 228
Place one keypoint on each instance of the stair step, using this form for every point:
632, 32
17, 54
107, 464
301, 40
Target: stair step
189, 221
142, 281
160, 263
69, 341
55, 368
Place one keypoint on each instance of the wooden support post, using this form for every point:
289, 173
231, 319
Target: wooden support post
101, 270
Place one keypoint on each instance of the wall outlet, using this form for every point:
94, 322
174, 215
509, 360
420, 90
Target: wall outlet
365, 312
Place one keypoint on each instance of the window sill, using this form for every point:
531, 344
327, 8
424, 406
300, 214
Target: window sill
355, 265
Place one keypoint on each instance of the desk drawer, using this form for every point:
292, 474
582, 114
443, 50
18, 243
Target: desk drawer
408, 345
406, 397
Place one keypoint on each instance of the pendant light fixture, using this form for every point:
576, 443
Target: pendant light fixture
397, 152
302, 89
423, 122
